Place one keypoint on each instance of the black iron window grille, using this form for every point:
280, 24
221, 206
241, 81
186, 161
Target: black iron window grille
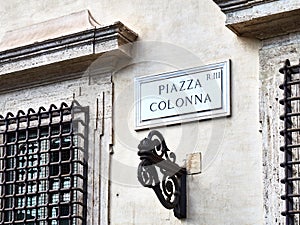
41, 169
291, 147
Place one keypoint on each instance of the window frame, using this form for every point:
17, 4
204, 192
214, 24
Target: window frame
64, 191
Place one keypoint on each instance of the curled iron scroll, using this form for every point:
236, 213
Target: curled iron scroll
170, 185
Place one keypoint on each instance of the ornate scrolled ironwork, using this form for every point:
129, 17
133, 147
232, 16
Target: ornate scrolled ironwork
171, 188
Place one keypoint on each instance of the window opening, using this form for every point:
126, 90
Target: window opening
291, 137
41, 170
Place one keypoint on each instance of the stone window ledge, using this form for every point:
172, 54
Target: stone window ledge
61, 49
78, 46
261, 19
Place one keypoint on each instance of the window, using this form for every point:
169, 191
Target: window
41, 169
291, 147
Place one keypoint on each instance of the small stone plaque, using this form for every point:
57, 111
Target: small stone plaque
183, 96
193, 163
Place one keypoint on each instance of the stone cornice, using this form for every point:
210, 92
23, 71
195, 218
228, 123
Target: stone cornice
234, 5
86, 44
261, 19
268, 26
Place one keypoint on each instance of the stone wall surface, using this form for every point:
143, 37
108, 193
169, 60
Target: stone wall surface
93, 97
172, 35
272, 56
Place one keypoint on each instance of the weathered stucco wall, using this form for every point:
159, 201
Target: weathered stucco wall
229, 190
175, 35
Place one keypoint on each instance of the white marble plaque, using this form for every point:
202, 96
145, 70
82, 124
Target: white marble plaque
183, 96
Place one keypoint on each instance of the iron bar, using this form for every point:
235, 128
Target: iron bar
291, 147
40, 179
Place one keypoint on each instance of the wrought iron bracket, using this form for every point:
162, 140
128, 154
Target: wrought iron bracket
170, 186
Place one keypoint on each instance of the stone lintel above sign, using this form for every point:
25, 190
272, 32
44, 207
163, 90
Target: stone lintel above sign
261, 19
182, 96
